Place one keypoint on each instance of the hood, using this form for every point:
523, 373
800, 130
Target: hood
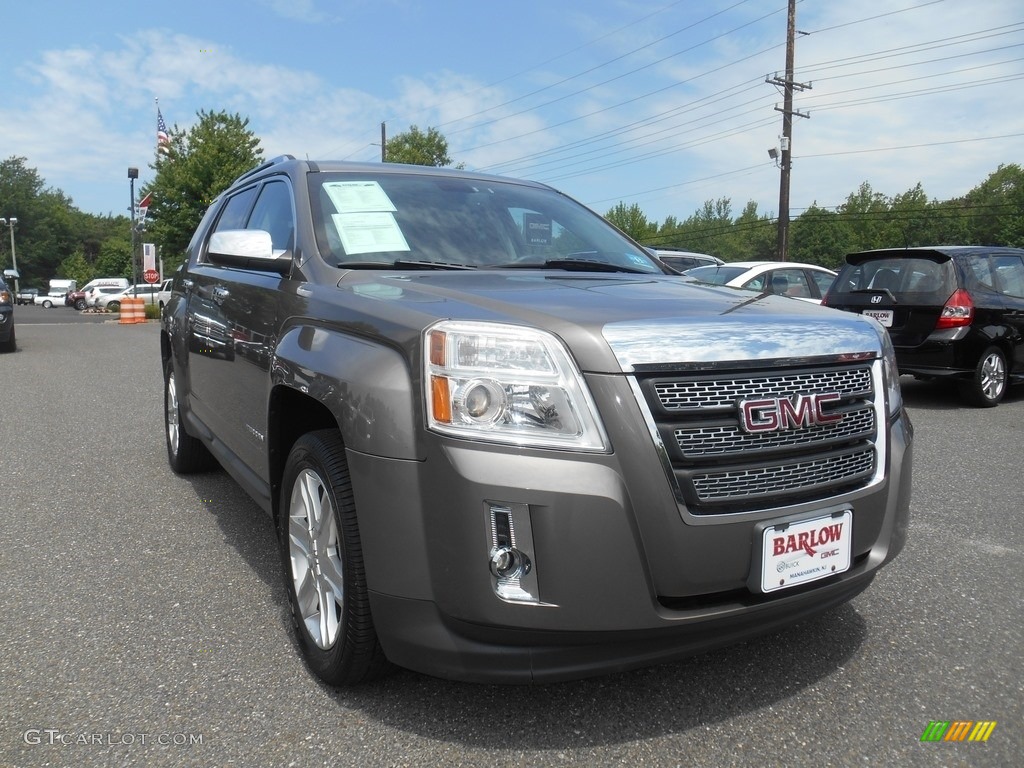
617, 322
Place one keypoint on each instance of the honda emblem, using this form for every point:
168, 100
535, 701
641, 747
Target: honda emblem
876, 299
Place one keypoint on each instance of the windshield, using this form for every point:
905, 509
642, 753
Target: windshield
367, 220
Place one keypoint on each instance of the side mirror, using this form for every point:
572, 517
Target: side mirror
247, 249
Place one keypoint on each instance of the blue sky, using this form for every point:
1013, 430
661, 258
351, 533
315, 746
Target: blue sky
654, 102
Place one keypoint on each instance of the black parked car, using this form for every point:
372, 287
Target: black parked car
953, 312
7, 341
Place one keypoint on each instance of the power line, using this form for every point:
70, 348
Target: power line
800, 157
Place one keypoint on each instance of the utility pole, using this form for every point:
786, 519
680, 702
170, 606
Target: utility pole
785, 165
133, 174
383, 142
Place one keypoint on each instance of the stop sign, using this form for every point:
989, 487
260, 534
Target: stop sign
150, 275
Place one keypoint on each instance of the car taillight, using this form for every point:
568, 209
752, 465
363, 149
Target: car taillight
958, 312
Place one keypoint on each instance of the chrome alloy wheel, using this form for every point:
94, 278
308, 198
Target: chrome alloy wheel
173, 427
993, 376
317, 568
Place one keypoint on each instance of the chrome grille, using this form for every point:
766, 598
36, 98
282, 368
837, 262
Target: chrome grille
805, 475
719, 392
719, 468
729, 438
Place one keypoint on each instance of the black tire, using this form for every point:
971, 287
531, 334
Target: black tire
113, 306
47, 304
186, 454
322, 561
80, 304
987, 385
11, 344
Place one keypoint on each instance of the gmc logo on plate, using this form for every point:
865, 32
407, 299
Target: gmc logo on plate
775, 414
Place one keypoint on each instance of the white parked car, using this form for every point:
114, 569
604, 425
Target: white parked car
93, 295
808, 282
155, 293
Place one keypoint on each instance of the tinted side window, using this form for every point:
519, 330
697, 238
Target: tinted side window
1010, 275
824, 281
235, 212
758, 283
980, 271
796, 283
273, 213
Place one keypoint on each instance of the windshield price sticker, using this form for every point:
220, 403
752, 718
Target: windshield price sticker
884, 316
805, 551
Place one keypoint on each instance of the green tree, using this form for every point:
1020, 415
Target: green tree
202, 163
995, 208
75, 267
115, 256
414, 147
632, 221
820, 236
753, 237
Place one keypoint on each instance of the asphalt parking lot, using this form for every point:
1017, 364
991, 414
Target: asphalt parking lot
145, 623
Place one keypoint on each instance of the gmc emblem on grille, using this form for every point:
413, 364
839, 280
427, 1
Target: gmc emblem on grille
776, 414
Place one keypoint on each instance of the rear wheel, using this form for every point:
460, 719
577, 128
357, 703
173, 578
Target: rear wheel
323, 563
186, 454
47, 304
988, 383
80, 304
11, 344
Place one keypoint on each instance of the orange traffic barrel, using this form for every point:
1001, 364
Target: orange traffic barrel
140, 309
132, 311
127, 311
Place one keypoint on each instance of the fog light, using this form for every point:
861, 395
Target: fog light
510, 541
508, 563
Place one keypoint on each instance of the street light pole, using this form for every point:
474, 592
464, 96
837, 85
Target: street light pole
133, 174
14, 259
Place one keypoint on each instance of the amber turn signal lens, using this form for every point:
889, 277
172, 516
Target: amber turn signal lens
441, 400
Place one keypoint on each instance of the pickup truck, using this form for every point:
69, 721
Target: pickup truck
501, 442
27, 295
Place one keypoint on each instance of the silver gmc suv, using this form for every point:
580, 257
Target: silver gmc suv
501, 443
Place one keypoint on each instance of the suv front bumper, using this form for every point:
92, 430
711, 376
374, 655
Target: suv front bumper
609, 597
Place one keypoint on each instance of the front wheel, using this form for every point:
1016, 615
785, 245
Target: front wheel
114, 306
988, 383
80, 304
323, 563
47, 304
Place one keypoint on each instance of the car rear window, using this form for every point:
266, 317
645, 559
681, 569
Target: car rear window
915, 279
719, 275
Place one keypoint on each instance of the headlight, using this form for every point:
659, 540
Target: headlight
507, 384
891, 374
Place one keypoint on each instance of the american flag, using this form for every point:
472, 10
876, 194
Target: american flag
163, 141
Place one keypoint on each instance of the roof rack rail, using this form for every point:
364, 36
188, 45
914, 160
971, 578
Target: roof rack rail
267, 164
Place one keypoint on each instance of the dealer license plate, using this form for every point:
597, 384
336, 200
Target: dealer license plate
796, 553
884, 316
